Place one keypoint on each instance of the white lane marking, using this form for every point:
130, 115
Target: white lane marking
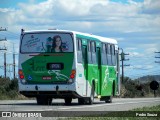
106, 105
35, 110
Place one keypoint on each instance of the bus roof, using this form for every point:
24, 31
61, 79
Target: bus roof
102, 39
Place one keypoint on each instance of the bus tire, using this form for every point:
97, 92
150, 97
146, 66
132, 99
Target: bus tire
68, 101
109, 98
91, 98
44, 100
49, 101
81, 101
39, 101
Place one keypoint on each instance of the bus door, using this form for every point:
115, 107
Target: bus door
98, 53
85, 64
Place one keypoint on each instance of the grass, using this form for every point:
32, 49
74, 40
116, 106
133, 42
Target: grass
123, 115
153, 108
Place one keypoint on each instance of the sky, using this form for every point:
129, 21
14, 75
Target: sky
135, 24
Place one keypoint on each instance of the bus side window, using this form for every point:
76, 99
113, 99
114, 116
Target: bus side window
79, 50
113, 55
93, 49
89, 52
109, 54
104, 58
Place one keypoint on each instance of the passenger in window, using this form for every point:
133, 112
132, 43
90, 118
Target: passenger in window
57, 44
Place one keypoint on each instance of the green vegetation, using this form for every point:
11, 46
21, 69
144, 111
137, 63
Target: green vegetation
122, 115
129, 89
111, 118
133, 88
9, 89
153, 108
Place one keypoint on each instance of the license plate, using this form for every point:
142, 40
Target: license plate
46, 77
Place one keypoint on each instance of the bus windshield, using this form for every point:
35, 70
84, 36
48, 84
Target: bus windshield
46, 43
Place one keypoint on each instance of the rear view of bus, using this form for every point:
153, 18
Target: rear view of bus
46, 65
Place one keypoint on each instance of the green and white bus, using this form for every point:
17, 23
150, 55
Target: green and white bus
68, 65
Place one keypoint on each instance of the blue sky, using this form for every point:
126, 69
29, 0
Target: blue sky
14, 3
126, 1
135, 24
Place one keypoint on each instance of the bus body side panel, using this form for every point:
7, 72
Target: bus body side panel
93, 76
107, 81
80, 81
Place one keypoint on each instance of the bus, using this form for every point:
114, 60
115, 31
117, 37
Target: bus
64, 64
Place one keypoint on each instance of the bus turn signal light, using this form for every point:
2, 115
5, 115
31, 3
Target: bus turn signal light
21, 76
20, 72
72, 74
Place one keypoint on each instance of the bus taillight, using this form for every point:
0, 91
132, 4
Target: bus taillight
21, 76
73, 74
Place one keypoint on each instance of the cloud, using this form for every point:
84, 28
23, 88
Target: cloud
104, 14
4, 10
151, 7
134, 24
151, 48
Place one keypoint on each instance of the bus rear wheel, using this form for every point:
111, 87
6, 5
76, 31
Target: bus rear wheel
91, 98
81, 101
41, 100
68, 101
108, 99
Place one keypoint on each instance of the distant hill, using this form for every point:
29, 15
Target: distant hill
149, 78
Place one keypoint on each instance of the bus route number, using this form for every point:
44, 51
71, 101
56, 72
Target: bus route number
55, 66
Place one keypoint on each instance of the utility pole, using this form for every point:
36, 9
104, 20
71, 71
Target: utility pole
4, 29
14, 64
5, 65
123, 59
157, 57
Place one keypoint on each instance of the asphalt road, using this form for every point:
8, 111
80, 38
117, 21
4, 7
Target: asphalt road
119, 104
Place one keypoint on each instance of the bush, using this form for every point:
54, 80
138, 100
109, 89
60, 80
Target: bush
132, 88
8, 88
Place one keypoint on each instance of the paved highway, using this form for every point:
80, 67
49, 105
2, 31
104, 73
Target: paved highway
119, 104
